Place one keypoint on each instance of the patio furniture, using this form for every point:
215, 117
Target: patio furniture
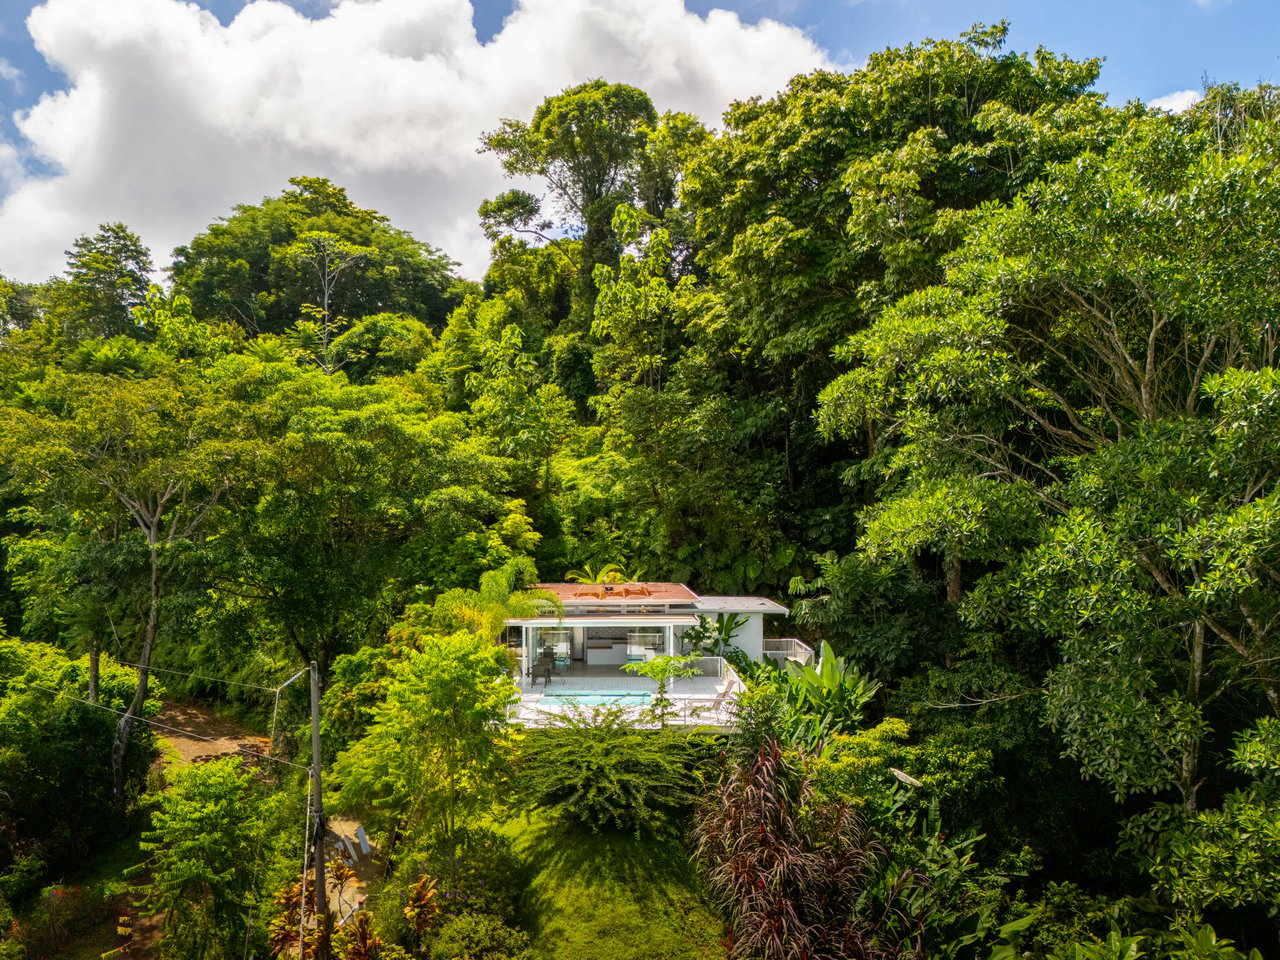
542, 668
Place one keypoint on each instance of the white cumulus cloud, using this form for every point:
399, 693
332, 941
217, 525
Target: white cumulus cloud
10, 73
1177, 101
168, 118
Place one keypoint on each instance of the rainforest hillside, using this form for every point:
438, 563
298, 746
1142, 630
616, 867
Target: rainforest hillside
971, 369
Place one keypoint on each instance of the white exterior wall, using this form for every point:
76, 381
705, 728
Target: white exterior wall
749, 638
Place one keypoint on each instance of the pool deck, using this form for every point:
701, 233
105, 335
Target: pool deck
696, 700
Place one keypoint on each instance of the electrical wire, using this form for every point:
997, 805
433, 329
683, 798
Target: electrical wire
158, 724
197, 676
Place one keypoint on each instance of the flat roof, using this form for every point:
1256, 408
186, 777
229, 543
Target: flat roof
738, 605
572, 594
610, 620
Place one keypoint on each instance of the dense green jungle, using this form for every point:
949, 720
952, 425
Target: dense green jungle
972, 370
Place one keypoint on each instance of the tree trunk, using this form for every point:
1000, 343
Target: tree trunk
954, 579
125, 727
93, 669
1188, 774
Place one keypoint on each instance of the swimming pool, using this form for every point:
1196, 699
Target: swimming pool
599, 699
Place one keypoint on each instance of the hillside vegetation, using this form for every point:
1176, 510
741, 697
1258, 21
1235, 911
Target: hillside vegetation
973, 370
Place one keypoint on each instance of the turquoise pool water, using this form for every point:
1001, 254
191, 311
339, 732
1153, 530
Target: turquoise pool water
600, 699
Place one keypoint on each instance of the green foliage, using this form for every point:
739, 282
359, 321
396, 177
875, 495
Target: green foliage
586, 142
504, 593
210, 835
599, 770
57, 920
370, 480
867, 769
713, 635
439, 748
475, 869
382, 345
107, 277
1192, 942
665, 670
1230, 857
821, 701
357, 684
356, 940
760, 716
1037, 503
479, 936
56, 803
257, 267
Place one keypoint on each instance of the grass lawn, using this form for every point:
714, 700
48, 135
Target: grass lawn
612, 896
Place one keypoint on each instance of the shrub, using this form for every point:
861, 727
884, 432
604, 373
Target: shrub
479, 936
208, 840
948, 773
59, 750
356, 940
759, 716
61, 914
598, 769
476, 871
792, 874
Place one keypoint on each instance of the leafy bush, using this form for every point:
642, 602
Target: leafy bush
859, 769
819, 701
1192, 942
596, 768
59, 750
479, 936
1231, 856
476, 871
826, 699
356, 940
357, 684
60, 915
759, 716
439, 749
210, 836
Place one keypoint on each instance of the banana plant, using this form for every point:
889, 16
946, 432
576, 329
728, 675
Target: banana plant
829, 698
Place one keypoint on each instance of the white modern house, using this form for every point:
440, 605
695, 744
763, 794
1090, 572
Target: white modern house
577, 655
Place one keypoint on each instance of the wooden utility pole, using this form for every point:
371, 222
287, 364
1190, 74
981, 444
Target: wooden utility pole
322, 909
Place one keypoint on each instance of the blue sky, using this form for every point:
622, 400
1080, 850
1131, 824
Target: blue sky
146, 96
1152, 47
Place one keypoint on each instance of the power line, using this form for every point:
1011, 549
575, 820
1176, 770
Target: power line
197, 676
157, 723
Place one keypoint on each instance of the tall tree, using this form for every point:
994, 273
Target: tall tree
1081, 365
373, 481
440, 748
818, 207
586, 143
108, 275
138, 462
249, 269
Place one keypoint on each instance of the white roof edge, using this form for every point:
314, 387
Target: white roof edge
607, 620
739, 605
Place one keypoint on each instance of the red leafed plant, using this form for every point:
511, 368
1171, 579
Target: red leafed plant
786, 869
